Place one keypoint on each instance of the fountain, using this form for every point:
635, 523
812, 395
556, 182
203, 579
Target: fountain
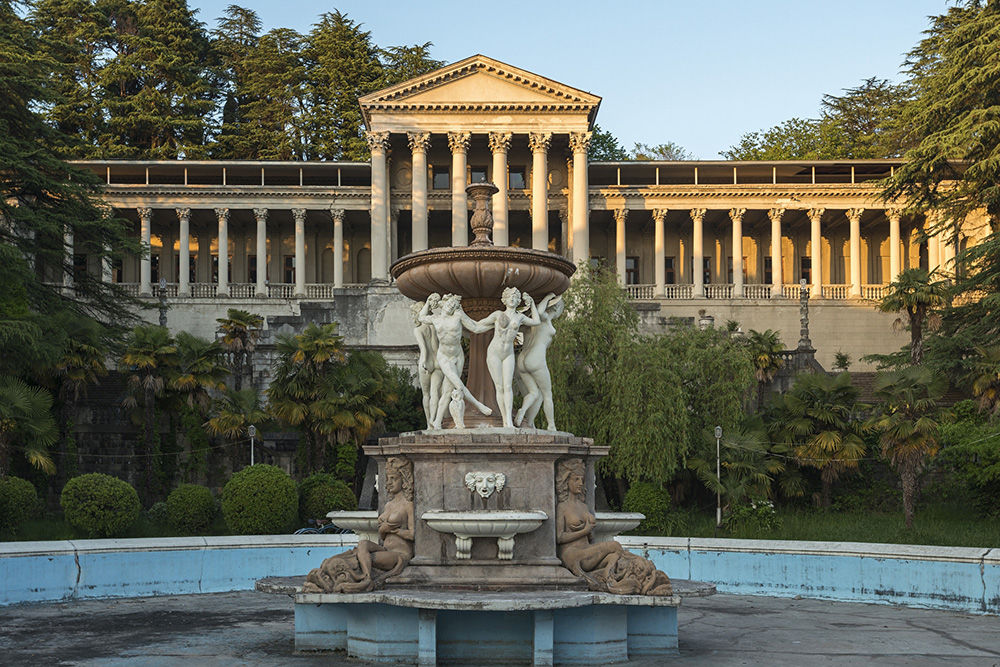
489, 549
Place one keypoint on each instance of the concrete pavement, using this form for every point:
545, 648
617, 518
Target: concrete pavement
249, 628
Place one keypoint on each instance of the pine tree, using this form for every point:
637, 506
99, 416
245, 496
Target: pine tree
402, 63
234, 41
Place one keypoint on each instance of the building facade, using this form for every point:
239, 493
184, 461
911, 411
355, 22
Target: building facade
730, 240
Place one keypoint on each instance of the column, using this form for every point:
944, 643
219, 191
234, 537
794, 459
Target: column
539, 143
569, 208
949, 241
777, 283
578, 142
69, 260
106, 263
736, 215
894, 264
621, 215
420, 143
300, 251
499, 145
698, 252
564, 234
393, 233
659, 251
815, 242
261, 215
854, 215
459, 143
223, 283
145, 268
378, 143
338, 244
184, 260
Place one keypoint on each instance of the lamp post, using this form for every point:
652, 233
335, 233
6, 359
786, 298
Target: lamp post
718, 477
252, 431
163, 302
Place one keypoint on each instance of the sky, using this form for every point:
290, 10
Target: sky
699, 73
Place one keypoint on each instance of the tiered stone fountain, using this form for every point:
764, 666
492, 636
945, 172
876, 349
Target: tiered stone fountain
488, 551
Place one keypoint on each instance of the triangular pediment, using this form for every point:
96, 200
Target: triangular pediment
480, 83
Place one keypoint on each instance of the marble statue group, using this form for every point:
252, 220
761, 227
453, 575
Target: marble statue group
439, 323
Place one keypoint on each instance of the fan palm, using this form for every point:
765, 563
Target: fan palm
235, 411
918, 293
240, 334
26, 420
986, 378
765, 354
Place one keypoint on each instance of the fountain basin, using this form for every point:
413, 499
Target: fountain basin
499, 524
610, 524
364, 523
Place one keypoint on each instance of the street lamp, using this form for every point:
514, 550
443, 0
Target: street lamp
718, 477
163, 302
252, 431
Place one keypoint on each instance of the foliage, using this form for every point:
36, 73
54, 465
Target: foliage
99, 504
158, 514
918, 293
668, 151
841, 360
756, 517
794, 139
322, 493
260, 500
604, 147
407, 414
191, 509
765, 355
819, 420
26, 423
653, 501
985, 379
240, 333
235, 412
18, 500
908, 421
970, 456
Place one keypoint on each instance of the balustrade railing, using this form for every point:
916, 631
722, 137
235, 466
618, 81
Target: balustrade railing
873, 292
281, 291
836, 292
757, 291
679, 291
319, 291
204, 290
718, 291
640, 291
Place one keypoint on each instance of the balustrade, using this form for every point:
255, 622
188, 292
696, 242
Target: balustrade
836, 291
679, 291
757, 291
640, 291
718, 291
873, 292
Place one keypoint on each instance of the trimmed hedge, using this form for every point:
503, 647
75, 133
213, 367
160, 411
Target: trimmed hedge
101, 505
653, 501
260, 500
18, 500
322, 493
191, 509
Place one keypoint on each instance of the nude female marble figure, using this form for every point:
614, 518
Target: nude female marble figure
428, 372
532, 371
500, 353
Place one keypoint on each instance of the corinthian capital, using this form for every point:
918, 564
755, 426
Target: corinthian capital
698, 214
894, 212
539, 141
222, 214
420, 142
579, 141
459, 141
621, 214
854, 214
500, 142
736, 214
776, 214
299, 214
145, 213
337, 214
816, 213
183, 213
260, 214
377, 141
659, 214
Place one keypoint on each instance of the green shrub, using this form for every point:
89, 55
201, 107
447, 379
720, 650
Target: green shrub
322, 493
18, 501
653, 501
260, 500
101, 505
752, 517
158, 514
191, 509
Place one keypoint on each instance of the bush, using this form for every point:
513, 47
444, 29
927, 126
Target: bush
322, 493
101, 505
260, 500
752, 516
191, 509
18, 501
653, 501
158, 514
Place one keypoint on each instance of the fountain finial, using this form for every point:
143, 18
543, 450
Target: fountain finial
482, 218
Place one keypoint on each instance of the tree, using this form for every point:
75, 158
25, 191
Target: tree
149, 356
794, 139
986, 379
604, 147
235, 411
240, 333
818, 420
668, 151
197, 370
860, 124
916, 292
402, 63
235, 41
908, 423
765, 355
26, 420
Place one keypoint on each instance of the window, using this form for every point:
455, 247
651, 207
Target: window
729, 269
441, 179
154, 268
805, 269
215, 269
117, 270
477, 174
192, 274
79, 267
706, 270
670, 272
252, 269
289, 269
768, 272
631, 270
517, 178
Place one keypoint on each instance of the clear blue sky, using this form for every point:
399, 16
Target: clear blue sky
700, 73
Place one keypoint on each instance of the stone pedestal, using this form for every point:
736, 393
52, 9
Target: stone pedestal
527, 459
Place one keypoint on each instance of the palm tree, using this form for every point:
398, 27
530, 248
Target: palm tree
199, 369
765, 353
240, 333
909, 424
149, 356
986, 378
918, 293
235, 411
26, 419
817, 418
